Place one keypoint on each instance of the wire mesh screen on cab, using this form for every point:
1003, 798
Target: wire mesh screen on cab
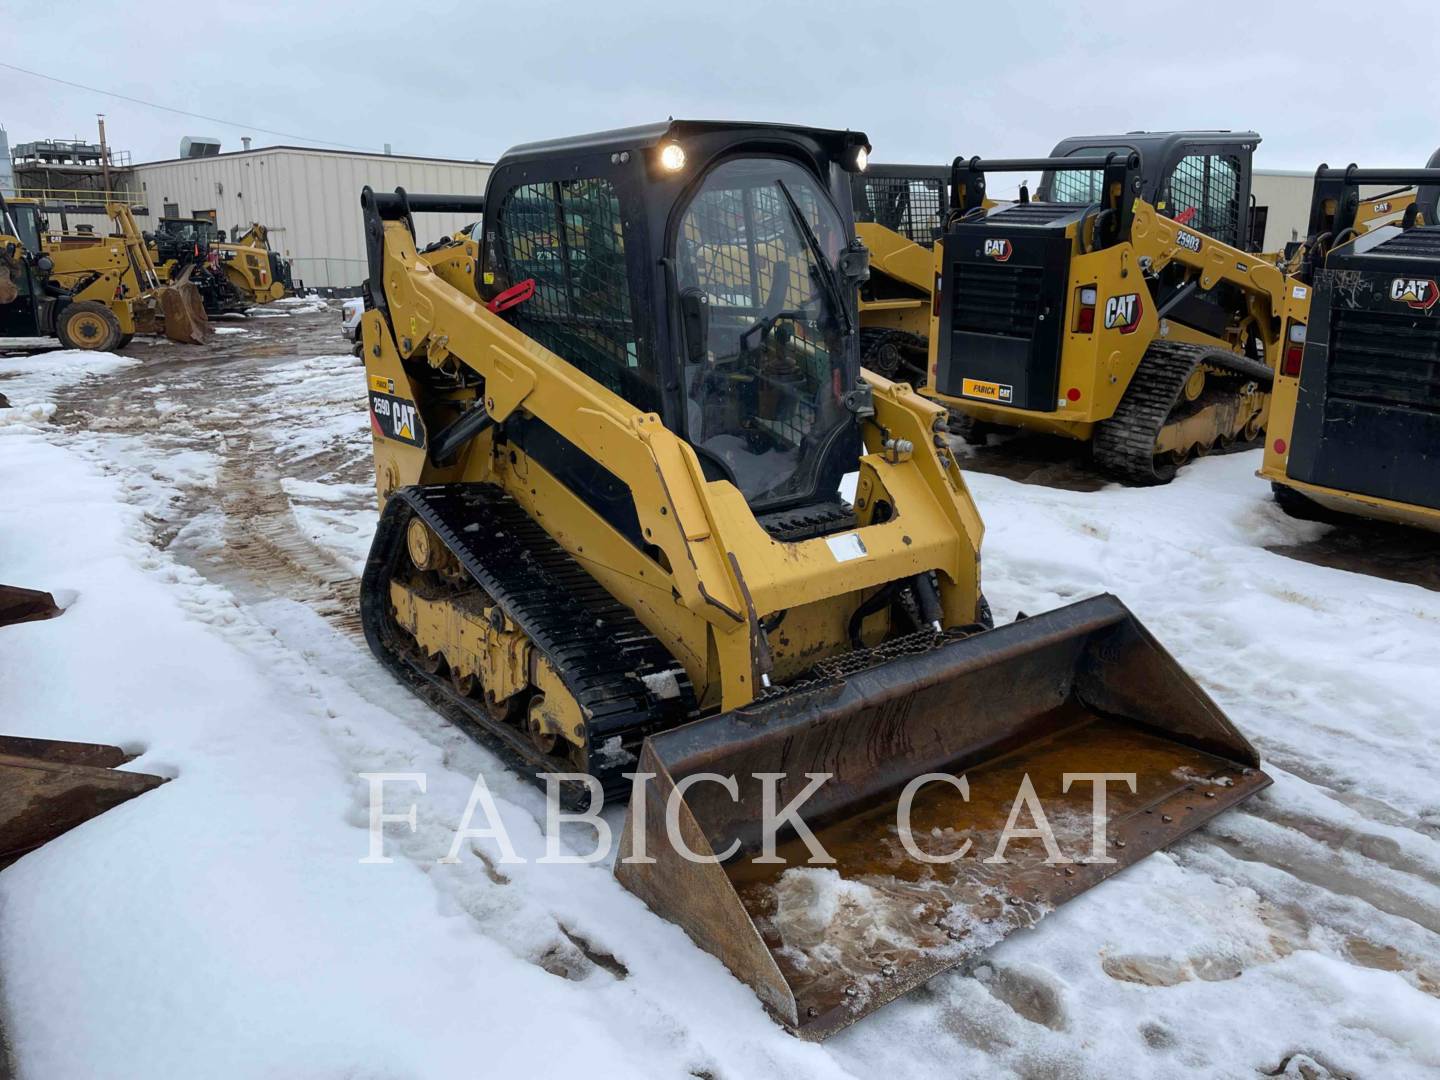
910, 207
1202, 195
568, 236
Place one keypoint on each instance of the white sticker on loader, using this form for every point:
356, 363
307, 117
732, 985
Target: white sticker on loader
1299, 292
846, 547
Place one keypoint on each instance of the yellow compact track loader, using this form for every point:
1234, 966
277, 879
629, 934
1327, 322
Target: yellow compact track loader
1355, 421
899, 213
610, 441
1123, 306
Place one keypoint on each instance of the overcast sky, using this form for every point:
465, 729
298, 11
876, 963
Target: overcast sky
926, 81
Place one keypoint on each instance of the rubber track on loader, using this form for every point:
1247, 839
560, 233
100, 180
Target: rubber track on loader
601, 650
911, 359
1125, 444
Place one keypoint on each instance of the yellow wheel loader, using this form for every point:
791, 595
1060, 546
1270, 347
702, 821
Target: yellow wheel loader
117, 272
1123, 306
1355, 421
610, 441
899, 211
36, 302
260, 275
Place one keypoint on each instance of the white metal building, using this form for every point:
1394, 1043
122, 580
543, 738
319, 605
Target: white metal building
309, 199
1287, 194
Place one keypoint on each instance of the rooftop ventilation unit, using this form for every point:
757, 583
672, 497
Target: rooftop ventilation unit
196, 146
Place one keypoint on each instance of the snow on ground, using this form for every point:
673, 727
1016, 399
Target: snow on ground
224, 924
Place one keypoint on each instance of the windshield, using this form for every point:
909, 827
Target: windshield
1086, 185
764, 400
27, 221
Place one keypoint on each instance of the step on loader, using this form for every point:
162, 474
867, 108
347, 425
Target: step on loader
1355, 424
610, 440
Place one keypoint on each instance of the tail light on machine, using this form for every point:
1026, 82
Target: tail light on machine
1085, 310
1294, 350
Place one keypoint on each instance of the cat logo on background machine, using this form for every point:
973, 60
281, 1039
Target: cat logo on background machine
999, 250
1123, 313
1419, 293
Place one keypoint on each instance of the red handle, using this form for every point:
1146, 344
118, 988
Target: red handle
516, 294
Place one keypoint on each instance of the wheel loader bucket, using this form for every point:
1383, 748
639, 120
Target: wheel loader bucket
1054, 699
8, 291
182, 310
49, 787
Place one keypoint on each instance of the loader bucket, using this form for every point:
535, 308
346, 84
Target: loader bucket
182, 309
183, 312
1082, 689
19, 605
49, 787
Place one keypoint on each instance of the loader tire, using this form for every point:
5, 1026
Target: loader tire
125, 339
88, 325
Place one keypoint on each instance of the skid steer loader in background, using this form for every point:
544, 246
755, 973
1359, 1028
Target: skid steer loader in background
899, 211
1124, 306
1355, 420
609, 446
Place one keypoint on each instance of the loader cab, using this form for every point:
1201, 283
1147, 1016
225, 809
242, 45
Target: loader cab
184, 239
1201, 179
705, 272
907, 199
29, 225
23, 272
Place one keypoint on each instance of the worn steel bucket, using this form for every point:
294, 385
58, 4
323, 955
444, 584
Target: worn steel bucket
48, 787
1080, 690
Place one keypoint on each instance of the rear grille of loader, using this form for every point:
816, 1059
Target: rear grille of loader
1384, 359
996, 299
1423, 243
1033, 213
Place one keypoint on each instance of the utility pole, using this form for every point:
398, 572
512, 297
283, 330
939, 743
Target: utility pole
104, 156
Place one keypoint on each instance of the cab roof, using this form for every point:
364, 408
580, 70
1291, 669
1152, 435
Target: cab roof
1155, 145
647, 136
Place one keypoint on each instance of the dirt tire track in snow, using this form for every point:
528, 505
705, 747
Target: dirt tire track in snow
264, 543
